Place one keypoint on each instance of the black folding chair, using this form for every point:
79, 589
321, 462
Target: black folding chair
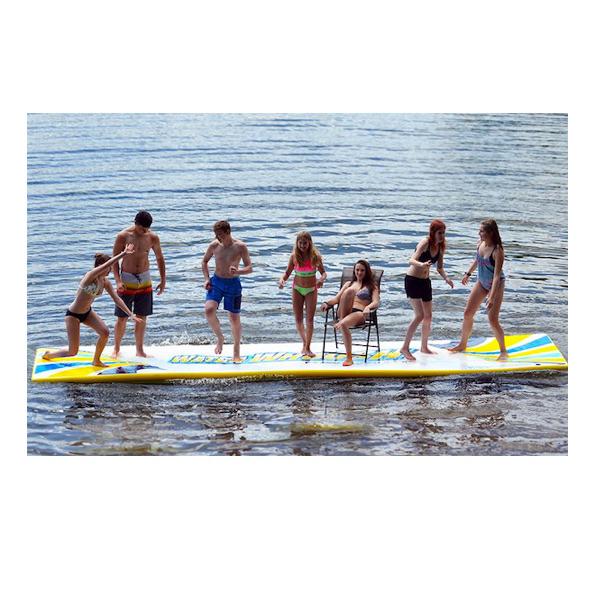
331, 317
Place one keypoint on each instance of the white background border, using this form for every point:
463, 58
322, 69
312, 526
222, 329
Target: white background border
300, 527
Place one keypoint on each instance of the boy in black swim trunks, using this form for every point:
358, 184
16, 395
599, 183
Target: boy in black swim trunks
225, 283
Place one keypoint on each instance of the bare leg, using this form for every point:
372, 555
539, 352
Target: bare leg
73, 326
346, 302
426, 328
298, 306
417, 305
99, 326
344, 324
478, 293
120, 327
210, 310
236, 330
311, 307
140, 330
493, 318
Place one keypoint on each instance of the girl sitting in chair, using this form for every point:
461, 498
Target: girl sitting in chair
356, 299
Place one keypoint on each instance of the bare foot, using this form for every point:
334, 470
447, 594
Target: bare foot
427, 351
237, 360
219, 346
348, 362
115, 353
308, 352
142, 354
503, 356
407, 354
458, 348
45, 355
99, 363
338, 325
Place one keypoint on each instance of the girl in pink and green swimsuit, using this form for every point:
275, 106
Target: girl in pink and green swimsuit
304, 261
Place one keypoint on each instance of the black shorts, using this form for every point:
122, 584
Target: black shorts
81, 316
138, 304
418, 288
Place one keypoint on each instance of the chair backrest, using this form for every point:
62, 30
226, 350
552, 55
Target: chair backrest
348, 272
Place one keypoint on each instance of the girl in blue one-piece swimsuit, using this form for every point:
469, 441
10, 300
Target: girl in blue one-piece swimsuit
489, 260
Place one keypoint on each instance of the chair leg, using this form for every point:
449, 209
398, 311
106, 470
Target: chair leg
368, 338
325, 335
377, 331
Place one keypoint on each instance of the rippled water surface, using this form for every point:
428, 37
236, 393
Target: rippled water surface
364, 186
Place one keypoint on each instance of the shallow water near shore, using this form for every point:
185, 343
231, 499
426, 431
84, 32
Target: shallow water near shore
365, 186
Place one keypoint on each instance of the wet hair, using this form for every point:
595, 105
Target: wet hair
100, 259
491, 227
435, 226
222, 226
368, 279
143, 218
315, 257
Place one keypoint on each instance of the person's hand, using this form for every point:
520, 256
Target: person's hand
465, 279
129, 249
324, 306
233, 270
120, 287
427, 263
450, 283
491, 301
160, 288
366, 311
136, 319
319, 284
281, 283
207, 285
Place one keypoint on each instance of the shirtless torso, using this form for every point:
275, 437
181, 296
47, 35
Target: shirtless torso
227, 258
144, 240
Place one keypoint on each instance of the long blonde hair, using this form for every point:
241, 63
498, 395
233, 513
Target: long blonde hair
313, 253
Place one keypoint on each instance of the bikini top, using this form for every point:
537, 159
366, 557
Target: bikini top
364, 294
426, 255
92, 289
305, 269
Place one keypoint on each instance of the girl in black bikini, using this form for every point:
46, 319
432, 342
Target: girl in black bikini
92, 285
356, 299
417, 284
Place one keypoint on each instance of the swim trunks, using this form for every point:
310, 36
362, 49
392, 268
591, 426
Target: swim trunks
137, 294
418, 288
81, 316
228, 288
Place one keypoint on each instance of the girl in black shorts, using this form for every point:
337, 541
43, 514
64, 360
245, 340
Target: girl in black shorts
417, 284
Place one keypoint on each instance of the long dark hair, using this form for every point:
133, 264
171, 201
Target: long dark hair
368, 279
491, 227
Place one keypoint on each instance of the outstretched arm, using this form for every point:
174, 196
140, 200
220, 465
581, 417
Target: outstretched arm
93, 274
118, 301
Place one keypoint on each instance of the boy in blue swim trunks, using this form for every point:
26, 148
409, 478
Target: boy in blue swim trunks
225, 283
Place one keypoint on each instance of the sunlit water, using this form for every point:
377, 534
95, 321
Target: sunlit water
364, 186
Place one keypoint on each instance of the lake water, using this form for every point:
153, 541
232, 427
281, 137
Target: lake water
365, 186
